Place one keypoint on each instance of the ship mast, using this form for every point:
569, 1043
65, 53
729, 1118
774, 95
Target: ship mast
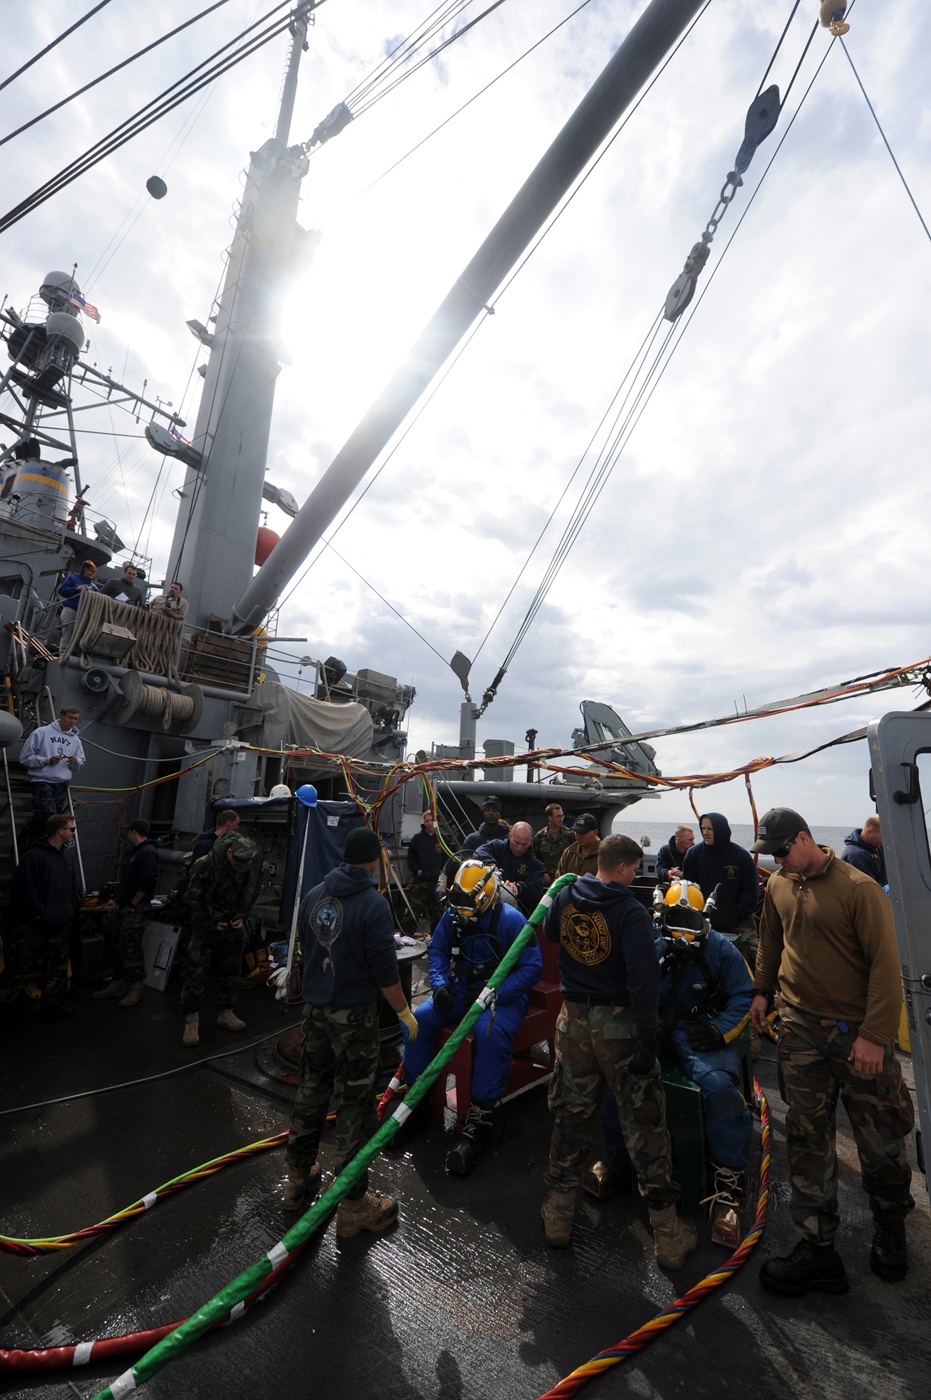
641, 52
215, 535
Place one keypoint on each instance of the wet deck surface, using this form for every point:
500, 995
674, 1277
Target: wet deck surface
461, 1300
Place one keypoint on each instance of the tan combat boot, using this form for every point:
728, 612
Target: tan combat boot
369, 1212
299, 1182
117, 988
725, 1205
133, 996
557, 1213
229, 1021
191, 1035
674, 1239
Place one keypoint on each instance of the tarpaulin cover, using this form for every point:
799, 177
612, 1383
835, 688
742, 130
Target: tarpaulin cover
331, 727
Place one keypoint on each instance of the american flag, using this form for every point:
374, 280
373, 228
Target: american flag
84, 305
177, 436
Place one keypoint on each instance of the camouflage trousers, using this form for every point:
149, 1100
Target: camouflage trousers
423, 900
129, 925
813, 1060
205, 940
39, 955
339, 1060
594, 1046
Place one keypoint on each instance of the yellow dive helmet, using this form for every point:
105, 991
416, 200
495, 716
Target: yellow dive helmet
681, 913
474, 889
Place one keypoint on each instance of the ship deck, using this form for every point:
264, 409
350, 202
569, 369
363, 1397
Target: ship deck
462, 1299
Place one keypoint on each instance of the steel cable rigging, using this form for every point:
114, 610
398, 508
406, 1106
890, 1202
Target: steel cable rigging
640, 391
197, 78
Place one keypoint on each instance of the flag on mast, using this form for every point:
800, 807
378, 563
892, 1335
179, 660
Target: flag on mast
81, 302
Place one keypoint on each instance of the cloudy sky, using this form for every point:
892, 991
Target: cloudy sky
763, 533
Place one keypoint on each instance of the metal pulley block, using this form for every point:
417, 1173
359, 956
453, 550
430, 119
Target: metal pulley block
683, 289
762, 116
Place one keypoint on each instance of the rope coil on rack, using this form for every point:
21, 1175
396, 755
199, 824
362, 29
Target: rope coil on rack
159, 703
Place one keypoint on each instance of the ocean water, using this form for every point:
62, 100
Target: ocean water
658, 833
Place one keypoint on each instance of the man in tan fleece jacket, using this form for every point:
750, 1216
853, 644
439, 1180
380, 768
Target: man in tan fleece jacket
827, 936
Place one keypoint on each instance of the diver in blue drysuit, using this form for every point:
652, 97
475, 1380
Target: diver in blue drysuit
704, 1004
471, 938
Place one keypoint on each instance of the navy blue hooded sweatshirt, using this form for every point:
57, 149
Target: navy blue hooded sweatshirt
525, 871
44, 890
862, 856
606, 948
728, 865
347, 939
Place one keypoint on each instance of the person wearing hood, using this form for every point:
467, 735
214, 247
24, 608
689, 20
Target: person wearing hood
138, 878
717, 864
606, 1038
669, 858
347, 943
223, 887
863, 849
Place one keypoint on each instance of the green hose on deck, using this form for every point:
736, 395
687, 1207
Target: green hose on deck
235, 1292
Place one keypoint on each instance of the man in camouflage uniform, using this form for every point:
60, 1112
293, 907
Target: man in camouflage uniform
425, 861
606, 1037
130, 907
347, 943
551, 840
223, 887
827, 935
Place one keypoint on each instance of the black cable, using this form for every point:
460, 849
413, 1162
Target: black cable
109, 73
138, 122
551, 574
782, 36
427, 58
885, 141
42, 52
427, 27
474, 98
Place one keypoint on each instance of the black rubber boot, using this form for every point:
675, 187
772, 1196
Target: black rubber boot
809, 1268
476, 1139
888, 1257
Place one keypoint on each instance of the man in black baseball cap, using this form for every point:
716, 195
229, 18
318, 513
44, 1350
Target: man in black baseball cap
581, 858
778, 827
826, 936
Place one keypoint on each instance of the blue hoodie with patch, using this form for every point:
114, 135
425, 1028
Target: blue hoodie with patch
606, 948
347, 940
727, 867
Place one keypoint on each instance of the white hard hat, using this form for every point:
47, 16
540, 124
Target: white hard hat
280, 790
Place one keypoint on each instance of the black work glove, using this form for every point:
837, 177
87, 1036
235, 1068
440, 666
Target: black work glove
443, 999
644, 1057
703, 1035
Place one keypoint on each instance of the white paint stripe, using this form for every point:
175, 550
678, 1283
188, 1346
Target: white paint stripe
394, 1085
122, 1385
401, 1113
82, 1353
277, 1255
149, 1200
